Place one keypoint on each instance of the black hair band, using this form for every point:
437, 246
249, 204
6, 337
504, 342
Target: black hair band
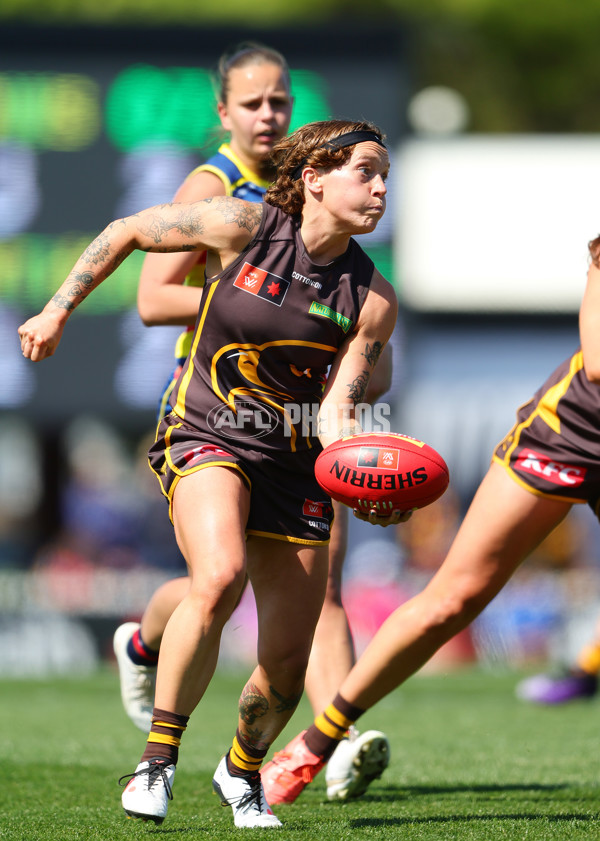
348, 139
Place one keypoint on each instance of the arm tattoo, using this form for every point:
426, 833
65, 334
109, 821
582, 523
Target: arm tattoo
244, 215
358, 387
97, 251
187, 223
372, 353
80, 286
63, 303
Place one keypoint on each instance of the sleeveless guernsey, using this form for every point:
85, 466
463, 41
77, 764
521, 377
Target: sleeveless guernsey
268, 328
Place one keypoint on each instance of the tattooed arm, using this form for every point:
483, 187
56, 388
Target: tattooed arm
348, 380
221, 225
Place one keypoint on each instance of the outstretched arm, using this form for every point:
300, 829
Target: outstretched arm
223, 225
162, 296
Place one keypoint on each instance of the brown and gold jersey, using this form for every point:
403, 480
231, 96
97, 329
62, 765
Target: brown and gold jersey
268, 328
554, 447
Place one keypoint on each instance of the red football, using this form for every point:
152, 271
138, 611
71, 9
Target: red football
385, 471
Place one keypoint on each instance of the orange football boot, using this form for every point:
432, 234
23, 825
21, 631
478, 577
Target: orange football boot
290, 771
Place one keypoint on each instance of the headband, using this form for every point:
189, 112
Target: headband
348, 139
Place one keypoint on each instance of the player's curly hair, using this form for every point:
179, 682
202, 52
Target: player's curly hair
306, 147
594, 247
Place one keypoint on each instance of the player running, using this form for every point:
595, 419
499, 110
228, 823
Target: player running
264, 340
549, 461
254, 107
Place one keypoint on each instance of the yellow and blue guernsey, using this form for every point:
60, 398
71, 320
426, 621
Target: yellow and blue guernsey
242, 183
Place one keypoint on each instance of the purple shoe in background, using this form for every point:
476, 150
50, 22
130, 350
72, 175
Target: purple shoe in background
545, 689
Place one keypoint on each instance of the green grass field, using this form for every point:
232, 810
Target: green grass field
468, 762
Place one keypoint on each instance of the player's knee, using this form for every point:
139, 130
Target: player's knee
219, 591
288, 662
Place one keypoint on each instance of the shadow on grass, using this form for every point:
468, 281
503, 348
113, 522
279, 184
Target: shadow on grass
392, 792
361, 823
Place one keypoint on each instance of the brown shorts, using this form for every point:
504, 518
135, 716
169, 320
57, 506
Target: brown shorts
286, 502
539, 458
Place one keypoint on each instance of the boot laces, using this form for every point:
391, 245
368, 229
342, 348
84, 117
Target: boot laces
154, 770
252, 798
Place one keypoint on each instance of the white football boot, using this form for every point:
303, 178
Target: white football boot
246, 798
355, 763
149, 790
137, 682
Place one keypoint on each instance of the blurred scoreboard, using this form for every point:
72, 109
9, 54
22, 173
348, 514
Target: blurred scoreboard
96, 124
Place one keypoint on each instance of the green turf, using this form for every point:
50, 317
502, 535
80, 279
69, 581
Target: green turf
468, 762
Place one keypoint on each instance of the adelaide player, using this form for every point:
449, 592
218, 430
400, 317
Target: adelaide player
549, 461
237, 509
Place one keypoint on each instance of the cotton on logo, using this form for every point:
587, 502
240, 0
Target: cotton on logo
555, 472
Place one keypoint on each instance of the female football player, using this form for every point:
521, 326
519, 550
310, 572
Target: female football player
549, 461
289, 297
254, 107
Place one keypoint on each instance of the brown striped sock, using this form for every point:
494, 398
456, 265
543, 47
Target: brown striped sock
329, 728
244, 759
165, 734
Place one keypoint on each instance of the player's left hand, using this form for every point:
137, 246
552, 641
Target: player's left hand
389, 520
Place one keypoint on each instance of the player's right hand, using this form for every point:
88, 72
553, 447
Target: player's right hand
40, 336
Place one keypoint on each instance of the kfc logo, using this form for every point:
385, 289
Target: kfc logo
555, 472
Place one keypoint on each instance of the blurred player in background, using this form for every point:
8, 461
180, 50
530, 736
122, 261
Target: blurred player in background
578, 681
255, 107
549, 461
241, 509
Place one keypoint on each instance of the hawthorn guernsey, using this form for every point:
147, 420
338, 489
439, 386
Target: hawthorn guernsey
382, 471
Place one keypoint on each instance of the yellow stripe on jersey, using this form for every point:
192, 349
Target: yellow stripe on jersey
179, 407
247, 174
248, 361
547, 407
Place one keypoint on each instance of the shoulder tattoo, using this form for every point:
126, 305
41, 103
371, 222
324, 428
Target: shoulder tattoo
244, 214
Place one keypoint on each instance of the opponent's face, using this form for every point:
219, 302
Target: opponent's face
257, 112
355, 193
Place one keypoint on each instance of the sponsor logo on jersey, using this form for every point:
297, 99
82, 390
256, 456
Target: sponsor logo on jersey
320, 309
555, 472
319, 524
320, 510
378, 481
314, 283
264, 284
378, 457
195, 456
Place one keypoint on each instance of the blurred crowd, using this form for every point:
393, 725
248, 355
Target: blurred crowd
71, 586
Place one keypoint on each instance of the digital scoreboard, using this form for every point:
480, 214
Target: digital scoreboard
97, 124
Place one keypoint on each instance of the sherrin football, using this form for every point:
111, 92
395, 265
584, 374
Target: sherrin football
384, 471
